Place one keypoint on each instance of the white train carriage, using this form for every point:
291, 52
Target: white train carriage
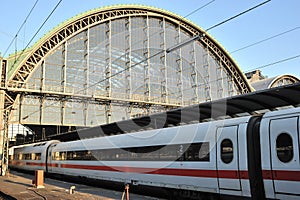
280, 141
253, 157
30, 156
208, 157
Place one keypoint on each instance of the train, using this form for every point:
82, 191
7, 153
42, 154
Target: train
248, 157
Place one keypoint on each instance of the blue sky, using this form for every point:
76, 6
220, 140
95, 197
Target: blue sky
271, 19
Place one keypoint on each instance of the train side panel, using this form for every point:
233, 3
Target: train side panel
231, 159
30, 157
280, 154
181, 174
197, 175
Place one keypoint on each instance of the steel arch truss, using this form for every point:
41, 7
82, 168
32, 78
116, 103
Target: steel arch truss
210, 69
285, 79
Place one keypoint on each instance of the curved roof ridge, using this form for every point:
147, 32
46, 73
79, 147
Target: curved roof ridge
174, 17
268, 82
83, 14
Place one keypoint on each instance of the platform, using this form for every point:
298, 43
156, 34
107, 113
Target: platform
19, 186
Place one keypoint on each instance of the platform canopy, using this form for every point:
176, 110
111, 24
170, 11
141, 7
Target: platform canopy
248, 104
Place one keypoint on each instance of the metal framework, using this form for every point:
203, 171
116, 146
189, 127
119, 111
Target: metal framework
276, 81
111, 64
283, 80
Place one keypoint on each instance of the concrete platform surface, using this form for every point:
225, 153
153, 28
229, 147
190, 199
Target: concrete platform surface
19, 186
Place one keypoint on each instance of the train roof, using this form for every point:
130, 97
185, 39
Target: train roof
185, 134
37, 144
257, 102
284, 112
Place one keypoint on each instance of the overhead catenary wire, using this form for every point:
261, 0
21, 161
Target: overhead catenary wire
24, 22
266, 39
274, 63
238, 15
32, 38
196, 10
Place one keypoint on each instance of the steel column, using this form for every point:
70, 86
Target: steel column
206, 75
108, 69
194, 74
64, 67
4, 140
146, 63
163, 62
128, 64
179, 68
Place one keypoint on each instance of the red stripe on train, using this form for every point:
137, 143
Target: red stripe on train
230, 174
22, 163
35, 164
233, 174
281, 175
53, 165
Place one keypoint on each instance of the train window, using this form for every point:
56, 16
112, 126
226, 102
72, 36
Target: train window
55, 156
167, 153
284, 147
38, 156
62, 156
203, 154
226, 151
27, 156
197, 152
179, 152
35, 156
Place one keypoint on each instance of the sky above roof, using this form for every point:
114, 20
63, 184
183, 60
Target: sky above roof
256, 40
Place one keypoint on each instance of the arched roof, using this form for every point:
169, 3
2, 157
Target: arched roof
274, 82
19, 71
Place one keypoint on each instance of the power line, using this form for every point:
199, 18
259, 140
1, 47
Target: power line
196, 10
264, 40
238, 15
274, 63
20, 28
36, 33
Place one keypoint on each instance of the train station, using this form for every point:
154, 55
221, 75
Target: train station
128, 75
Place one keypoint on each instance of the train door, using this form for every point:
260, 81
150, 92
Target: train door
227, 158
284, 144
49, 159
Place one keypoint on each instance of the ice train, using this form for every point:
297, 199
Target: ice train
252, 157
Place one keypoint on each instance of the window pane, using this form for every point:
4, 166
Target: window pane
226, 151
284, 147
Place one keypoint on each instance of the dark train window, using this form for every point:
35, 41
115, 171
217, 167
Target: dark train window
226, 151
27, 156
197, 152
36, 156
284, 147
174, 152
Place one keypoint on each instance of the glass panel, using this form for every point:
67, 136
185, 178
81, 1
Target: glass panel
284, 147
226, 151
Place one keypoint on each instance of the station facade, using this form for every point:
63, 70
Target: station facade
112, 64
